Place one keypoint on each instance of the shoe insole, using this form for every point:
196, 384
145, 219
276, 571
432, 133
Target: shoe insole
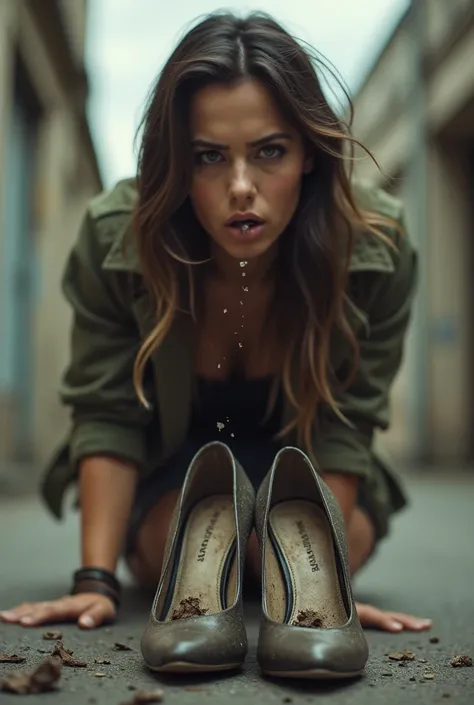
302, 583
207, 546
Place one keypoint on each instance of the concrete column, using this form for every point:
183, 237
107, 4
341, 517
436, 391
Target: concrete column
8, 23
450, 309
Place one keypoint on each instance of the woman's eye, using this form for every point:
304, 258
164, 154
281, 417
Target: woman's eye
209, 157
272, 151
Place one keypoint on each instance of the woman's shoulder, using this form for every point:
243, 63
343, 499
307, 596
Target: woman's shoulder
120, 199
107, 223
387, 214
377, 200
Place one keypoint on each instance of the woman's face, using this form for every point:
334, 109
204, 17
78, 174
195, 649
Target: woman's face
248, 165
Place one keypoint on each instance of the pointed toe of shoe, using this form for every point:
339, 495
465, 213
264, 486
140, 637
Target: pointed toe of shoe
193, 645
297, 652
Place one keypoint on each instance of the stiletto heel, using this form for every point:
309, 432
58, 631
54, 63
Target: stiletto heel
196, 620
310, 627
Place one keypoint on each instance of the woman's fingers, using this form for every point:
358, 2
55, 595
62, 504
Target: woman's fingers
411, 622
89, 609
15, 614
64, 609
374, 618
96, 614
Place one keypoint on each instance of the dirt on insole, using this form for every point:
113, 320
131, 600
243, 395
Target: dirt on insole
208, 538
304, 537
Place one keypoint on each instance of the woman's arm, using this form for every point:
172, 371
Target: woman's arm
107, 488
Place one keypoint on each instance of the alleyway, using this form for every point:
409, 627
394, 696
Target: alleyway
427, 567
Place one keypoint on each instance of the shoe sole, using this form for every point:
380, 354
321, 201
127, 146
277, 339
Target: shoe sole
315, 674
205, 569
303, 567
183, 667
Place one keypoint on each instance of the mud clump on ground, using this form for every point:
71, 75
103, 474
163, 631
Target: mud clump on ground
11, 658
461, 662
42, 679
65, 656
402, 656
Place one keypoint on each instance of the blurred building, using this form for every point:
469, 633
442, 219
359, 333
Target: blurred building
48, 171
415, 112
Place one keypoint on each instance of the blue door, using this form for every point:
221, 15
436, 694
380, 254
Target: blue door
17, 278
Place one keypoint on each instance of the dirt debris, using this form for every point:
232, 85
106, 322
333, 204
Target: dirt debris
308, 618
42, 679
11, 658
52, 636
102, 661
434, 640
402, 656
122, 647
461, 661
65, 656
143, 697
189, 607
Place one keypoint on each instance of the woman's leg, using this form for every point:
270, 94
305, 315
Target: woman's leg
361, 540
146, 560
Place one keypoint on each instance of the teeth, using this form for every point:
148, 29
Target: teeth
244, 224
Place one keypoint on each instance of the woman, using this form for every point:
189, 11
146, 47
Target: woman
244, 289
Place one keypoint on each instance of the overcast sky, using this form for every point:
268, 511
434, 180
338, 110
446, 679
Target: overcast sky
129, 40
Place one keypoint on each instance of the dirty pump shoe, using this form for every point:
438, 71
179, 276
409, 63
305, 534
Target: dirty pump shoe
309, 626
196, 621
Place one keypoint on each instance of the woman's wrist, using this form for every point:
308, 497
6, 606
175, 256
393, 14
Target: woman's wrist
97, 580
107, 488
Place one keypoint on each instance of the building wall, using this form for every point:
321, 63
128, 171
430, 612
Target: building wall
65, 177
420, 128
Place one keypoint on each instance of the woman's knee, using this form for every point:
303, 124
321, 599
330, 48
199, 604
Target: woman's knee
362, 539
146, 561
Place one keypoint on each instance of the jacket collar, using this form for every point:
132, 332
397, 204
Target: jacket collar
369, 254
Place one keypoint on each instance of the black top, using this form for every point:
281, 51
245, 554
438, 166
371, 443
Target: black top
234, 411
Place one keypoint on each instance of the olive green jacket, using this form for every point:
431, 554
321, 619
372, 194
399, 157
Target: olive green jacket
112, 315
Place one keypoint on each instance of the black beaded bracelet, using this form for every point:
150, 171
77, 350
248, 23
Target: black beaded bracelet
97, 580
100, 574
99, 588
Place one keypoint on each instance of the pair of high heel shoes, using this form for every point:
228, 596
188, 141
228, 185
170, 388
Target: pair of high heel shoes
309, 625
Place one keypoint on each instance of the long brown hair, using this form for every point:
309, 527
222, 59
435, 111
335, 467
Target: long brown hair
315, 251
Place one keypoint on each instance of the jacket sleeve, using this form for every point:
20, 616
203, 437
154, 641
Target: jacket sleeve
340, 447
107, 417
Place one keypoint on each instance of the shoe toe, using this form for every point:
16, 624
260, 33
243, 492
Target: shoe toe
193, 645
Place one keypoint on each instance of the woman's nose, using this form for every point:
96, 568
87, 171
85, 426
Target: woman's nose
242, 186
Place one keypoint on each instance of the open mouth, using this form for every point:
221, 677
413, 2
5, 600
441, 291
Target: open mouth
250, 226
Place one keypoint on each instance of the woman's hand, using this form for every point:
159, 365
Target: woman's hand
89, 609
373, 618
